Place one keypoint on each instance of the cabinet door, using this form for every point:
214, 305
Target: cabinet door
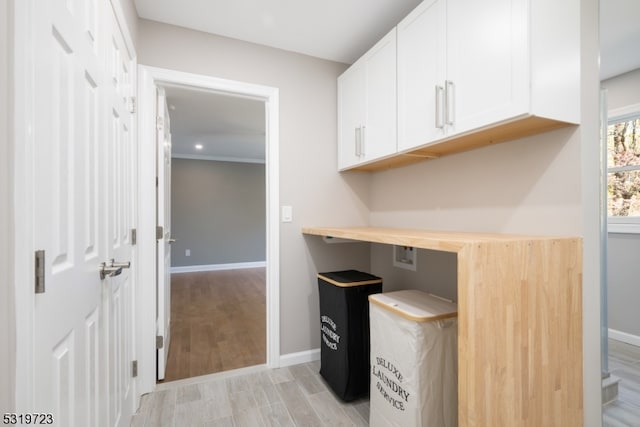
351, 114
379, 136
421, 75
487, 67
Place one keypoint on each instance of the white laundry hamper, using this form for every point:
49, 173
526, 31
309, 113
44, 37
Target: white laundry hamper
414, 360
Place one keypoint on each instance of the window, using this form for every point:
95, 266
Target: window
623, 171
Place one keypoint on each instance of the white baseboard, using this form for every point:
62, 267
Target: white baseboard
300, 357
624, 337
216, 267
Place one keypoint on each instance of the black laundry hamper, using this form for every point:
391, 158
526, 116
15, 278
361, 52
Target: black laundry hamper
344, 329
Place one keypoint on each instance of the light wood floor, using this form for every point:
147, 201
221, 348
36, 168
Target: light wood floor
624, 363
285, 397
218, 322
298, 396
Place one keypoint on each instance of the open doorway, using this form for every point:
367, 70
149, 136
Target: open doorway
218, 229
151, 80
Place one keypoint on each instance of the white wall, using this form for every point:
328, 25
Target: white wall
7, 315
623, 288
436, 271
217, 212
623, 90
623, 268
308, 159
131, 17
528, 186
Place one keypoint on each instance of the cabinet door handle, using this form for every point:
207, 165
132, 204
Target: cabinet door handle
357, 144
449, 97
439, 102
363, 141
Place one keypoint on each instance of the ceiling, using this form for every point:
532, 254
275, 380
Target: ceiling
336, 30
619, 37
228, 128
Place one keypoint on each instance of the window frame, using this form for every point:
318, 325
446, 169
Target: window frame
620, 224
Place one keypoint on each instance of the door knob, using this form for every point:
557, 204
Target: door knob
171, 241
113, 268
126, 264
109, 270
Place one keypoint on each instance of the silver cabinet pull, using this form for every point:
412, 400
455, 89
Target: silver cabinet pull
449, 96
363, 141
171, 241
439, 102
356, 146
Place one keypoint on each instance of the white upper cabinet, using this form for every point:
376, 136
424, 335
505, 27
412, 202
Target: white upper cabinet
470, 74
367, 106
487, 67
351, 114
421, 75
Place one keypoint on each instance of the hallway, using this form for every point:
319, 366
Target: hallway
218, 322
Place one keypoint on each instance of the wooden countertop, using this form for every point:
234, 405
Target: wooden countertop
448, 241
519, 321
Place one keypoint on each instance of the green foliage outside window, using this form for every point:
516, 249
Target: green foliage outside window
623, 184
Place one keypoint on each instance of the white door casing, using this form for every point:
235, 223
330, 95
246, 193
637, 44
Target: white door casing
163, 221
75, 339
149, 79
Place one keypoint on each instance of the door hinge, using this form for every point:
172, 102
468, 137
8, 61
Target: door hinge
132, 104
159, 342
159, 232
134, 368
159, 123
134, 237
39, 271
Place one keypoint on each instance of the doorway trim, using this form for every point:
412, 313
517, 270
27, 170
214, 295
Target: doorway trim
148, 79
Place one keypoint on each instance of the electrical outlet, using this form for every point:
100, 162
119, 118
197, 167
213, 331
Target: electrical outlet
187, 252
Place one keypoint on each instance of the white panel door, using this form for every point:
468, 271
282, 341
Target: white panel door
70, 355
163, 202
121, 179
84, 207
